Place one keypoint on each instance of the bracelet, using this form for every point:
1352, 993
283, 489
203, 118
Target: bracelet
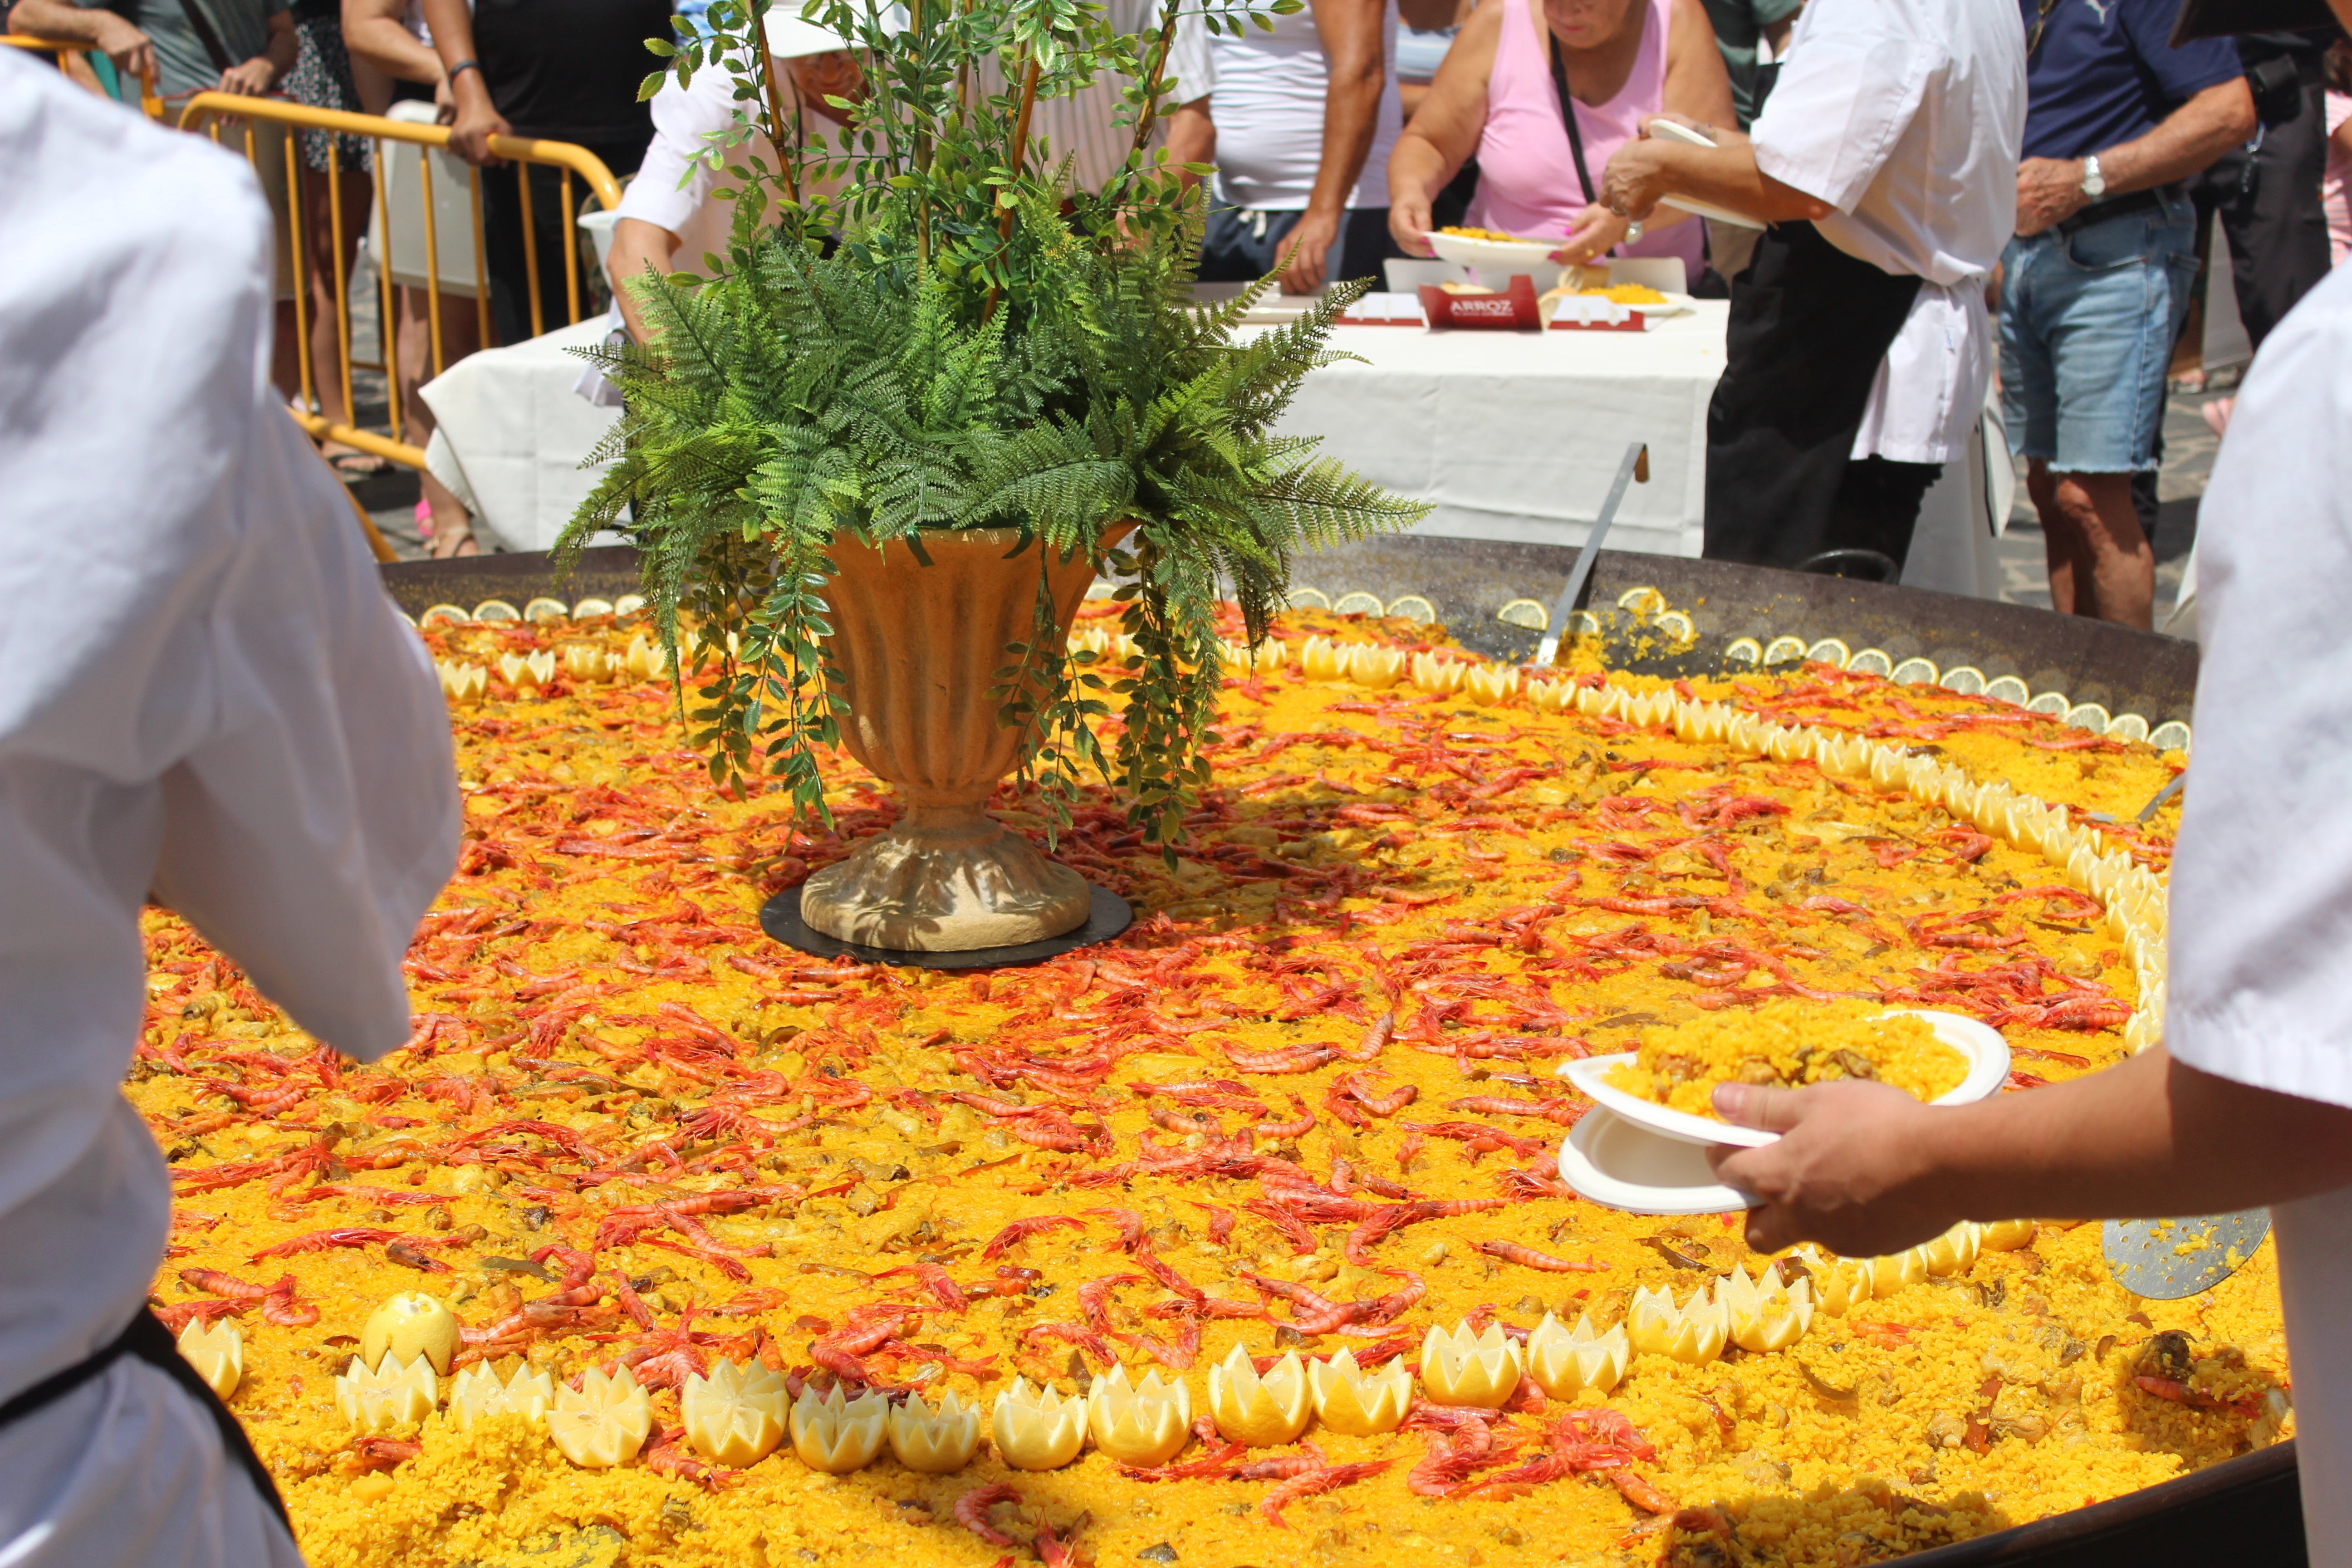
460, 68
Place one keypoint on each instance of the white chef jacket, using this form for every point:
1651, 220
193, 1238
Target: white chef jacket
204, 692
1907, 116
2261, 949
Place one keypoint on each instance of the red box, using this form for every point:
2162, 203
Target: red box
1512, 310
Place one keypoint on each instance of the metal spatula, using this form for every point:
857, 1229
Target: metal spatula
2165, 1259
1635, 468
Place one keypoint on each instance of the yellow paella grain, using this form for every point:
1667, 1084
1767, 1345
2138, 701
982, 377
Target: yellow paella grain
1787, 1045
1495, 877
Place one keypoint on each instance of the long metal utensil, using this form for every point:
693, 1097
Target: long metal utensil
2165, 1259
1636, 465
2167, 793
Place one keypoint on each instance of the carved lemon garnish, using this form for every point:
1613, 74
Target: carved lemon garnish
1953, 1252
1694, 1331
604, 1422
1377, 668
1139, 1424
1358, 1404
586, 662
1461, 1368
477, 1393
1847, 1282
645, 659
385, 1398
1890, 1274
462, 684
2006, 1235
1436, 673
217, 1352
1490, 684
1566, 1363
1259, 1409
1322, 660
1765, 1316
736, 1415
409, 1325
838, 1435
1037, 1429
935, 1441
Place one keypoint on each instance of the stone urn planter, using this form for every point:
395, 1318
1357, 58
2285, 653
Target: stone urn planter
915, 650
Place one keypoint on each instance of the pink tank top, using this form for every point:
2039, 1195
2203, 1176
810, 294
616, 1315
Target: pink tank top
1527, 173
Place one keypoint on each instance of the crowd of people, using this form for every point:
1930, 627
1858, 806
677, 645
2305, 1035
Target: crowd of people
1954, 191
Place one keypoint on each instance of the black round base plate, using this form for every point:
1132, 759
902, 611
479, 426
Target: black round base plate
1108, 915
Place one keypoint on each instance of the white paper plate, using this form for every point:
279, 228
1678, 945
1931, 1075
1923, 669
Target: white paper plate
1524, 254
1708, 209
1668, 131
1624, 1165
1986, 1054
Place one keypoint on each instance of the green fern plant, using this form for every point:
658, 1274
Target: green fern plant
961, 342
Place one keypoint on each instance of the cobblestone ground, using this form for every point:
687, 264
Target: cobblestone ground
2189, 448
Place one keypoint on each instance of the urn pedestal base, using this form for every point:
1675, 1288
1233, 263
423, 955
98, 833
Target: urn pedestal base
945, 879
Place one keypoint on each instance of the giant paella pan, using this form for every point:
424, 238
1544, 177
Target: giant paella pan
1244, 1236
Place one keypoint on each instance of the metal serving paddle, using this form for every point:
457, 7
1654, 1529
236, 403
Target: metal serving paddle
1636, 465
2167, 793
2165, 1259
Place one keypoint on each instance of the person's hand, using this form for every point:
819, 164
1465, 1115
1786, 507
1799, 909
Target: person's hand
1409, 225
444, 103
1306, 251
1849, 1170
475, 121
133, 54
1636, 179
2049, 191
1595, 230
250, 80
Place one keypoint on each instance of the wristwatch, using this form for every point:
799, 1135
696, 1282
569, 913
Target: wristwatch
2094, 184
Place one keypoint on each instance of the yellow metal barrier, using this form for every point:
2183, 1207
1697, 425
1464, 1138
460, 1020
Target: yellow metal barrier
61, 47
214, 112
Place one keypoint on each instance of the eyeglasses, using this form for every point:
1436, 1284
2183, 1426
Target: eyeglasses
2040, 21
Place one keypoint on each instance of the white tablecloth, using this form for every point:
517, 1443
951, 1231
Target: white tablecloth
510, 434
1517, 435
1511, 434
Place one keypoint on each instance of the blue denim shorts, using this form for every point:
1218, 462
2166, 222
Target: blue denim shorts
2087, 324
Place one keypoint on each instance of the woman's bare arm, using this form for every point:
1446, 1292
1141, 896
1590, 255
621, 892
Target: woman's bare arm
1444, 132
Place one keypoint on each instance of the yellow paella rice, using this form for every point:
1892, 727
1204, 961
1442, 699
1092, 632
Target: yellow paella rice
1628, 294
1788, 1043
1308, 1103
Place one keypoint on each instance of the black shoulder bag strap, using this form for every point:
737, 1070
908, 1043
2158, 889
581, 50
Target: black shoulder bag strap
202, 25
1567, 106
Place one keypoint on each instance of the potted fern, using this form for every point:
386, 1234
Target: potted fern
873, 461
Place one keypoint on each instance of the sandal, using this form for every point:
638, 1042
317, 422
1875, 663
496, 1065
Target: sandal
354, 464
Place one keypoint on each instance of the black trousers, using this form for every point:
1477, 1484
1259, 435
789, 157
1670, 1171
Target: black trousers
1237, 249
2268, 203
1810, 327
506, 257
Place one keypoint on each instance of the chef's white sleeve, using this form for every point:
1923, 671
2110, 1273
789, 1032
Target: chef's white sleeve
1854, 77
318, 816
2261, 907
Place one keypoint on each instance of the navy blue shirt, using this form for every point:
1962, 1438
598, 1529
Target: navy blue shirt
2104, 73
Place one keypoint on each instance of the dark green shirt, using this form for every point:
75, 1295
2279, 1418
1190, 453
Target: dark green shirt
1738, 25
